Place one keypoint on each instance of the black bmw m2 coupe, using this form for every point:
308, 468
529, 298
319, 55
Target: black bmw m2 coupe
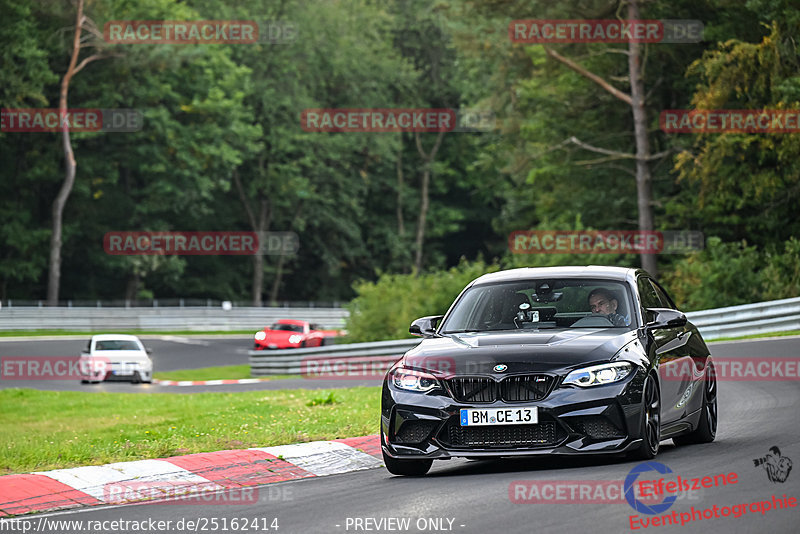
556, 360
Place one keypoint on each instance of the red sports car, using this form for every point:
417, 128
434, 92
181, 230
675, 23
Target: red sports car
290, 333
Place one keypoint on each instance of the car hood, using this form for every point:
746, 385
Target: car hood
520, 351
281, 334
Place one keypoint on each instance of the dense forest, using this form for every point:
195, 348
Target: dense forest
575, 144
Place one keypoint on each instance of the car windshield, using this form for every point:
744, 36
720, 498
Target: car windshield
537, 304
287, 327
116, 344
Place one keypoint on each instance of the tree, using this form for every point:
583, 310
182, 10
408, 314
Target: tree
82, 23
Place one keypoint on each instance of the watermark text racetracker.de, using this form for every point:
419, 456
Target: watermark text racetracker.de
604, 242
709, 121
541, 31
365, 367
200, 243
352, 120
50, 525
34, 120
734, 369
199, 32
52, 367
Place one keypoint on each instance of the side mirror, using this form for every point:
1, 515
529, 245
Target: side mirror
425, 326
148, 350
665, 318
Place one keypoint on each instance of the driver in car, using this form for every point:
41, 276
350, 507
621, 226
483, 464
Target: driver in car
603, 302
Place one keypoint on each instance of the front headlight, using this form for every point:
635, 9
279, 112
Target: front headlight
295, 338
413, 380
261, 336
598, 375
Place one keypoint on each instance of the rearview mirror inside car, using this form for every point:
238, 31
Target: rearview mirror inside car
425, 326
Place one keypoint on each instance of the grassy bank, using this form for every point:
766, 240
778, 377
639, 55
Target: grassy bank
55, 429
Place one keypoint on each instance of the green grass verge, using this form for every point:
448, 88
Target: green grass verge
83, 333
223, 372
57, 429
757, 336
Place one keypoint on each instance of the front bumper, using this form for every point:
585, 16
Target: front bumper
572, 420
123, 371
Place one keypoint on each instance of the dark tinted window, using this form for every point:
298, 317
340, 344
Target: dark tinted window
648, 294
287, 327
116, 344
666, 302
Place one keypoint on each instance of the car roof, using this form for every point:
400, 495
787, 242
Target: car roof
121, 337
588, 271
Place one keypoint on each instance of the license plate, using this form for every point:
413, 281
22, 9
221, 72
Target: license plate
499, 416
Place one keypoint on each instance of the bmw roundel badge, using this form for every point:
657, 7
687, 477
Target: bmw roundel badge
500, 368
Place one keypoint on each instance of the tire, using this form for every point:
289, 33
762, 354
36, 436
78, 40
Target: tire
85, 382
408, 468
651, 421
137, 378
706, 429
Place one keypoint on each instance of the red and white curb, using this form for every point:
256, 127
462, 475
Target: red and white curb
208, 382
148, 480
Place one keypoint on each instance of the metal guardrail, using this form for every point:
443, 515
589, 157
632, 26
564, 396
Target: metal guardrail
744, 320
748, 319
199, 319
167, 303
309, 360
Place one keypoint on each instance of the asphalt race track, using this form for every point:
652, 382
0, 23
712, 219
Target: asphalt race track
170, 353
754, 416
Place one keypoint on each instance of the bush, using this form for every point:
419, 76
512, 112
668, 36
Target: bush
384, 309
727, 274
723, 274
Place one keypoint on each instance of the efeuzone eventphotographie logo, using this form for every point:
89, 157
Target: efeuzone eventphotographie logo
541, 31
730, 121
73, 120
200, 243
775, 464
604, 242
350, 120
198, 32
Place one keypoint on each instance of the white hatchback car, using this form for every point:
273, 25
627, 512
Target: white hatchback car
116, 357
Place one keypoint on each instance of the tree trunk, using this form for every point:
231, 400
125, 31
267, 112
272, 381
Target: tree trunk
54, 275
401, 230
424, 196
259, 226
644, 186
132, 288
276, 283
258, 258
